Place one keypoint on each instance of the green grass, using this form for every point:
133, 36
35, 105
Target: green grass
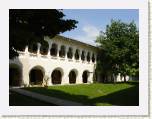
16, 99
124, 94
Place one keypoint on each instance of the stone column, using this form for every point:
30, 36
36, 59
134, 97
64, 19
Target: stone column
90, 78
66, 51
50, 44
38, 51
74, 50
95, 61
25, 72
58, 49
49, 78
26, 50
79, 78
65, 77
80, 52
91, 54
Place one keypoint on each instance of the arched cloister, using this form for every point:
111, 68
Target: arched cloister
15, 75
56, 76
73, 76
36, 75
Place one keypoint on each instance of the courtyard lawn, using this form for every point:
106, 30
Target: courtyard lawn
122, 94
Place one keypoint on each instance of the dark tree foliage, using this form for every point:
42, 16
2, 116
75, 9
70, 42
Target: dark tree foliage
120, 48
31, 25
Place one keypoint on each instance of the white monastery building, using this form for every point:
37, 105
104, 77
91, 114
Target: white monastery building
66, 61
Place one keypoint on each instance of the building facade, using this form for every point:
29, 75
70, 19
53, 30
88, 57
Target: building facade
65, 61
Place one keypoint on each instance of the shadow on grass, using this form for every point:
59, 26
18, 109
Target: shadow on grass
129, 82
16, 99
125, 97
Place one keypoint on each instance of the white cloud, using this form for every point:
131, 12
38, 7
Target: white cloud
89, 35
91, 31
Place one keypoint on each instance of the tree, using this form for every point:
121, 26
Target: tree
120, 44
28, 26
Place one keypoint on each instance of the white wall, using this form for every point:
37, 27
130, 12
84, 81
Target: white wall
48, 63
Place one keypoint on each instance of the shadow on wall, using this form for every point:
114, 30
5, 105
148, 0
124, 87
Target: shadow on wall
15, 72
126, 97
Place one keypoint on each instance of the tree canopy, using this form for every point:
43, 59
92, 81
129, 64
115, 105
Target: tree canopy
119, 49
28, 26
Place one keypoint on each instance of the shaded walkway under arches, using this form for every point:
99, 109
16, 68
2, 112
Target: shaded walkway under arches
85, 76
36, 76
14, 76
56, 76
72, 77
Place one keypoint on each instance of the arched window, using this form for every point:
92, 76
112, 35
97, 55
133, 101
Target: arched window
83, 56
88, 57
53, 50
93, 58
33, 47
77, 54
44, 48
70, 53
62, 51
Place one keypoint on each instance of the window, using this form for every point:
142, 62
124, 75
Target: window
53, 50
77, 54
62, 51
93, 58
83, 56
33, 48
44, 48
88, 57
70, 53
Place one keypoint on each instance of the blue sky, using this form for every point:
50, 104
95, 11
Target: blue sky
92, 21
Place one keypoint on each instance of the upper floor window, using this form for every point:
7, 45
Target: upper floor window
70, 53
77, 54
53, 50
83, 56
44, 48
62, 51
88, 57
33, 47
93, 58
